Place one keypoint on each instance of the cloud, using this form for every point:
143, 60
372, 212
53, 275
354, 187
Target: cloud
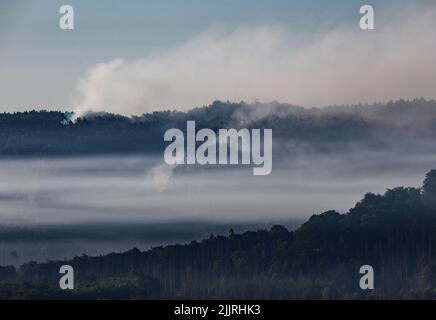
341, 66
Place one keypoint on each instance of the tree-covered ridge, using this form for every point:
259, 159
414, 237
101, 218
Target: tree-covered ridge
378, 125
394, 232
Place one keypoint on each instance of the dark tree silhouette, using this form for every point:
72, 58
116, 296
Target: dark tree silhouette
429, 190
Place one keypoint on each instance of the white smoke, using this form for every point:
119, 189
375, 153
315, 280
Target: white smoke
343, 66
159, 176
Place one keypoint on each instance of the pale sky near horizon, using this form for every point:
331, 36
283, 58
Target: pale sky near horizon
41, 65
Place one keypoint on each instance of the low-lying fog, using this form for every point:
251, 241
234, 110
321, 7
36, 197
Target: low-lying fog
142, 190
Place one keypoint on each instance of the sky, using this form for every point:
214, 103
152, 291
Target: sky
132, 57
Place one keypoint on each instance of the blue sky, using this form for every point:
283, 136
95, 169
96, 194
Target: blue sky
40, 64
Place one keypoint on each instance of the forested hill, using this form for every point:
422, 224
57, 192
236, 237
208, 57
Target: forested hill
394, 232
377, 126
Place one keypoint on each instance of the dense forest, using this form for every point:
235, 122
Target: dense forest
394, 232
378, 126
